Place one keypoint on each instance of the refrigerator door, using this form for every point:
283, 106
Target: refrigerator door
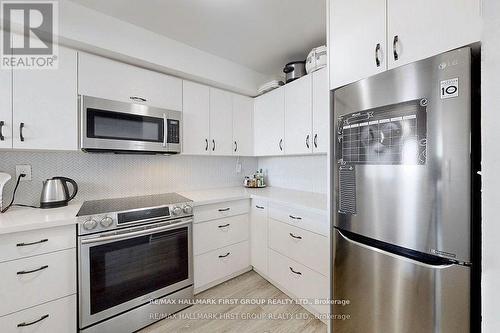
402, 151
392, 294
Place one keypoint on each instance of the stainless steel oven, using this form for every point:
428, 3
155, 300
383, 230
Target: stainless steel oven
128, 128
129, 258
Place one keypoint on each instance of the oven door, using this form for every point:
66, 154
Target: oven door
117, 126
127, 268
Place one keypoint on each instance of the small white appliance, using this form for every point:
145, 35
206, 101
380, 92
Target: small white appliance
316, 59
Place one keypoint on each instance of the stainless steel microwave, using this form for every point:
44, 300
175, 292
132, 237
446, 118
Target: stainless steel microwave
112, 126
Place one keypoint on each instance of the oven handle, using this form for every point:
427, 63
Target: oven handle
101, 239
165, 130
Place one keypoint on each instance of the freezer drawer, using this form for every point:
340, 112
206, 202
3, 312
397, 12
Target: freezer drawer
393, 294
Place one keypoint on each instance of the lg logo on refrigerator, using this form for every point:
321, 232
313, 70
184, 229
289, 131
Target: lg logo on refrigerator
449, 88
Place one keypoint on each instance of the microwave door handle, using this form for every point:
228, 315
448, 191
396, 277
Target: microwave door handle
165, 130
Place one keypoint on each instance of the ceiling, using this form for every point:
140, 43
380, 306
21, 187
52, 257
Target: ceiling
262, 35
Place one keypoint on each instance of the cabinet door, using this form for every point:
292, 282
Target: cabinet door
321, 110
298, 116
269, 123
5, 108
221, 122
357, 35
195, 118
242, 125
45, 113
109, 79
418, 29
258, 235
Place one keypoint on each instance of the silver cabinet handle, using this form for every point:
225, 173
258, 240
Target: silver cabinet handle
307, 141
295, 217
294, 271
32, 243
138, 99
225, 255
395, 42
377, 51
23, 324
296, 237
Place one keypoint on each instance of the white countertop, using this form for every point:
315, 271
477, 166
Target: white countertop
18, 219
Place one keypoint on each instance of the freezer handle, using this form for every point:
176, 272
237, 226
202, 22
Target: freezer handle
416, 257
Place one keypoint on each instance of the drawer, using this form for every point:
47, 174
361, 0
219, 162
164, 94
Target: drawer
29, 243
215, 265
301, 218
56, 280
58, 316
223, 209
299, 280
212, 235
305, 247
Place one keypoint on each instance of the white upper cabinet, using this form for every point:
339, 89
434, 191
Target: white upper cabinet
221, 122
195, 118
269, 123
418, 29
242, 125
321, 110
45, 112
109, 79
298, 116
357, 40
5, 108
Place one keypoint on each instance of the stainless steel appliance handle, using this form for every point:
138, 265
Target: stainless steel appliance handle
393, 254
101, 239
165, 130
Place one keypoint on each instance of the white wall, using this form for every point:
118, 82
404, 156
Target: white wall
491, 166
107, 175
303, 173
86, 29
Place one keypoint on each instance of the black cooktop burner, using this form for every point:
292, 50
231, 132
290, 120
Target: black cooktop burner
124, 204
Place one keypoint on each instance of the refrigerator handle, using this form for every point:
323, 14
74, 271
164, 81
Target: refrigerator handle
436, 263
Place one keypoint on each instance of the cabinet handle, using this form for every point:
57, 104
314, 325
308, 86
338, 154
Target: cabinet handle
315, 140
259, 207
33, 322
21, 136
307, 141
224, 209
33, 243
138, 99
395, 42
2, 124
225, 255
235, 146
377, 51
33, 270
294, 271
295, 217
206, 144
224, 226
296, 237
213, 145
281, 144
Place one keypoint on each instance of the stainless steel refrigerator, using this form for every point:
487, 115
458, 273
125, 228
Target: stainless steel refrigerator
403, 177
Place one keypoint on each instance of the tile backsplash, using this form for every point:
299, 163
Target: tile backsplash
108, 175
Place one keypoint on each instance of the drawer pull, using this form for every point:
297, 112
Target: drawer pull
138, 99
225, 255
294, 271
33, 243
259, 207
224, 209
33, 322
295, 217
33, 270
224, 226
296, 237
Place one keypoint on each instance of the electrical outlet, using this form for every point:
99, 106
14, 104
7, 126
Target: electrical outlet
238, 167
23, 168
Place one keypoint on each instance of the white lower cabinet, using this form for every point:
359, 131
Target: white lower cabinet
58, 316
258, 235
215, 266
299, 280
